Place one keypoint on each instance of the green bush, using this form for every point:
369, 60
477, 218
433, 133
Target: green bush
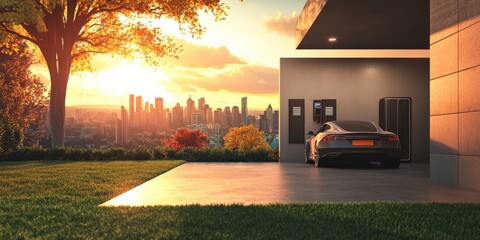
190, 154
11, 135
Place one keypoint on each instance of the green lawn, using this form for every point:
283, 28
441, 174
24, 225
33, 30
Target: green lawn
60, 200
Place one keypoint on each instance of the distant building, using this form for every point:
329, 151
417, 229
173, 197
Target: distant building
236, 117
262, 123
159, 113
275, 120
244, 110
228, 117
269, 118
138, 111
131, 109
195, 119
190, 110
202, 110
219, 118
177, 116
252, 120
121, 133
208, 114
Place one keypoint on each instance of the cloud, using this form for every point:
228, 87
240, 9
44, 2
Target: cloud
240, 78
200, 56
282, 24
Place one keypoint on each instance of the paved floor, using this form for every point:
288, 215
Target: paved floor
262, 183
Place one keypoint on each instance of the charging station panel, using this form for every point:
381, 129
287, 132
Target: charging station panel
324, 110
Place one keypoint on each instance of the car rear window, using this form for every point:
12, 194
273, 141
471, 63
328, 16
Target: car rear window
356, 126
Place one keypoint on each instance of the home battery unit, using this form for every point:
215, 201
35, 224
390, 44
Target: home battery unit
396, 116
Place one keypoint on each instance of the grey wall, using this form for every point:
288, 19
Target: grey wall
358, 85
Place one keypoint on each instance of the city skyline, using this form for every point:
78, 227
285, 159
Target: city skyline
193, 112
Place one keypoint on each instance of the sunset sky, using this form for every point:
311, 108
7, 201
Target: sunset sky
236, 57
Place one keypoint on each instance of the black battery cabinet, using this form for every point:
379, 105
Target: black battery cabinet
296, 121
395, 115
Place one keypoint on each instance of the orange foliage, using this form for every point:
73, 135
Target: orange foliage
184, 137
245, 137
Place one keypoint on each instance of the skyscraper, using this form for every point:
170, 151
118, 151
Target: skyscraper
275, 120
177, 116
228, 117
131, 108
121, 133
159, 113
269, 118
219, 118
138, 111
236, 117
244, 110
208, 114
190, 109
201, 110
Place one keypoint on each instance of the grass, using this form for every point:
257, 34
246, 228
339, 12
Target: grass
50, 200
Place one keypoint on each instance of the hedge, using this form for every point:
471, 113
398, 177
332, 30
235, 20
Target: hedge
207, 154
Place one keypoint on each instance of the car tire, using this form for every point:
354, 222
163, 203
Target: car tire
391, 163
307, 155
318, 161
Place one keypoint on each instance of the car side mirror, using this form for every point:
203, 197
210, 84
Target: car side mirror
310, 133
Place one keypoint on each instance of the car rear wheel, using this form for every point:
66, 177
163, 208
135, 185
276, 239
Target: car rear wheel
391, 163
307, 155
318, 161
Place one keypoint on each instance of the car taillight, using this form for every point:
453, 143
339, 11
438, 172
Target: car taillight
333, 138
390, 138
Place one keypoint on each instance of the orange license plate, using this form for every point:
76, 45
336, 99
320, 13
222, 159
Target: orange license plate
363, 143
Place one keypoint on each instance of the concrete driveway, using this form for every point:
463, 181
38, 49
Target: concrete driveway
264, 183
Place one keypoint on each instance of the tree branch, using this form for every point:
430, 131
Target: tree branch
6, 29
41, 6
86, 52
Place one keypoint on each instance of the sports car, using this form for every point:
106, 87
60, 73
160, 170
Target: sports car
353, 141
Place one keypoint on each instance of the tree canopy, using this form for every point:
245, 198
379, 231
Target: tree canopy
86, 27
22, 99
69, 32
247, 136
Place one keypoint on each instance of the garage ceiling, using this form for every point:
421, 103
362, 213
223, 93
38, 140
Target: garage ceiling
364, 24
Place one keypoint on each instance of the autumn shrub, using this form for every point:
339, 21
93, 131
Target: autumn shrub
245, 137
185, 137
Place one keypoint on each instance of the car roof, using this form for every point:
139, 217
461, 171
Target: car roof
342, 124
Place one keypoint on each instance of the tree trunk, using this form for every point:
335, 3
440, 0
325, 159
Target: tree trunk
59, 74
57, 111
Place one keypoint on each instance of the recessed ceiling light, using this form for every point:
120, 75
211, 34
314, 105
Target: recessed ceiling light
332, 39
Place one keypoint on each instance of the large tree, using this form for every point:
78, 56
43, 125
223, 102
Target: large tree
68, 32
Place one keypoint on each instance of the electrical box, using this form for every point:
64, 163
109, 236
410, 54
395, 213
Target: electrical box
324, 110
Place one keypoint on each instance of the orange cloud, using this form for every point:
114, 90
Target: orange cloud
200, 56
282, 24
234, 78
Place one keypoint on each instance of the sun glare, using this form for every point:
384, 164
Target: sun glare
132, 78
